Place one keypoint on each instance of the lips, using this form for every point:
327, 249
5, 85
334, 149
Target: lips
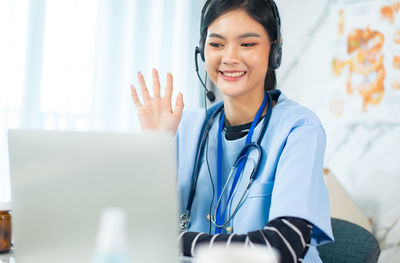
232, 75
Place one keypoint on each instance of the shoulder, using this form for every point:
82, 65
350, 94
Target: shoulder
290, 114
195, 117
290, 119
190, 115
292, 111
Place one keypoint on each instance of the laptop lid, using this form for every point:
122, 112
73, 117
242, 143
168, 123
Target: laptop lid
61, 181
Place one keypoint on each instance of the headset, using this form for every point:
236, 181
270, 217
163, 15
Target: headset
275, 53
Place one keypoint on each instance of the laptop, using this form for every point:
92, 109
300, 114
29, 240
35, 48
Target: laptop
61, 183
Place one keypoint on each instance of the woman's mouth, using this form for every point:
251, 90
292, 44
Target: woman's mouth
232, 75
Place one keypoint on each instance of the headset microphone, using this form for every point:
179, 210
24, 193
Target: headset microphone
210, 95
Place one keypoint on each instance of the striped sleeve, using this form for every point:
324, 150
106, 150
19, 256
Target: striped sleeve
289, 235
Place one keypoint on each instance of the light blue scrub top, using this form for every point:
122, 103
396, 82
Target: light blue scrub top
289, 181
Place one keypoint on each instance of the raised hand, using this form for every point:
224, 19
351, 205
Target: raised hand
156, 114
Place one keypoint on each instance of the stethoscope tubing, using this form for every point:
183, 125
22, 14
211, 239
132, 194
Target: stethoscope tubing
240, 156
201, 149
201, 143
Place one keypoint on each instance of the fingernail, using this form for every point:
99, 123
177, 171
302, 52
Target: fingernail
139, 72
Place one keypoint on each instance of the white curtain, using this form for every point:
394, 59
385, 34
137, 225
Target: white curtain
68, 64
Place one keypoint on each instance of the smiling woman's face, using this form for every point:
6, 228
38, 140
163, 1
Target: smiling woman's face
236, 54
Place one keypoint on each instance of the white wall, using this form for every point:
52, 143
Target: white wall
363, 148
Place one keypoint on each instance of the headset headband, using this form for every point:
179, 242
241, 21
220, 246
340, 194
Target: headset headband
276, 47
277, 19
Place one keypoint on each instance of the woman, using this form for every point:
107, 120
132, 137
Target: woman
274, 194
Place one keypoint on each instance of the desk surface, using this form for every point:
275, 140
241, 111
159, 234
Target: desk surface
8, 258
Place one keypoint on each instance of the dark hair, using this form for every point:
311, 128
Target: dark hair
260, 10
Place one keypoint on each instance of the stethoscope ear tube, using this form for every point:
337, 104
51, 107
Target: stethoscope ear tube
257, 163
266, 119
245, 152
185, 218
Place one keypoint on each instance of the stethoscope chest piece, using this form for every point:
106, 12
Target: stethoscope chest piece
184, 221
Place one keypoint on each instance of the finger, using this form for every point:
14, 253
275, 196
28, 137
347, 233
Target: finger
168, 88
156, 84
135, 97
145, 93
179, 105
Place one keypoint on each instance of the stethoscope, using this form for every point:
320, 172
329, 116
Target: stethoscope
239, 163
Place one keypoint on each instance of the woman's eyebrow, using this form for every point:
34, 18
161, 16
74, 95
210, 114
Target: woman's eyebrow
250, 34
216, 35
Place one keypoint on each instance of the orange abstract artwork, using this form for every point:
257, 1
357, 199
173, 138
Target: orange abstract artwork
366, 73
396, 37
396, 85
341, 22
389, 11
336, 107
396, 62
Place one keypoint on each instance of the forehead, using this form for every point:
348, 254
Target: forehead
234, 23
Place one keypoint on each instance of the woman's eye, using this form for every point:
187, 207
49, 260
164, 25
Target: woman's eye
215, 44
248, 44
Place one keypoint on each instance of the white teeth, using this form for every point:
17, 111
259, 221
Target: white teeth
233, 74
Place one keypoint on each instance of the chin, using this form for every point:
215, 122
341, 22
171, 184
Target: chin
233, 89
232, 92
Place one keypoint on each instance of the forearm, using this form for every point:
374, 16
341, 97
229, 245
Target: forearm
289, 235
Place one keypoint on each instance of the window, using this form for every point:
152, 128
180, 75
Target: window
69, 64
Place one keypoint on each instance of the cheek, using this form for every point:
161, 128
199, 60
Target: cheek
259, 60
212, 64
258, 63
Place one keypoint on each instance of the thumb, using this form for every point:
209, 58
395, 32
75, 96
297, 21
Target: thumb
179, 105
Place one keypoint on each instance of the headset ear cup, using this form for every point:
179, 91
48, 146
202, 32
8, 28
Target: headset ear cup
275, 56
201, 47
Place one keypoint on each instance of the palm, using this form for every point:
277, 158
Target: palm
156, 112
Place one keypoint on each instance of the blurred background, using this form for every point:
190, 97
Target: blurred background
68, 65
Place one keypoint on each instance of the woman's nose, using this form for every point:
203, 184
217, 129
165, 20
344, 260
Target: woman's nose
230, 55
